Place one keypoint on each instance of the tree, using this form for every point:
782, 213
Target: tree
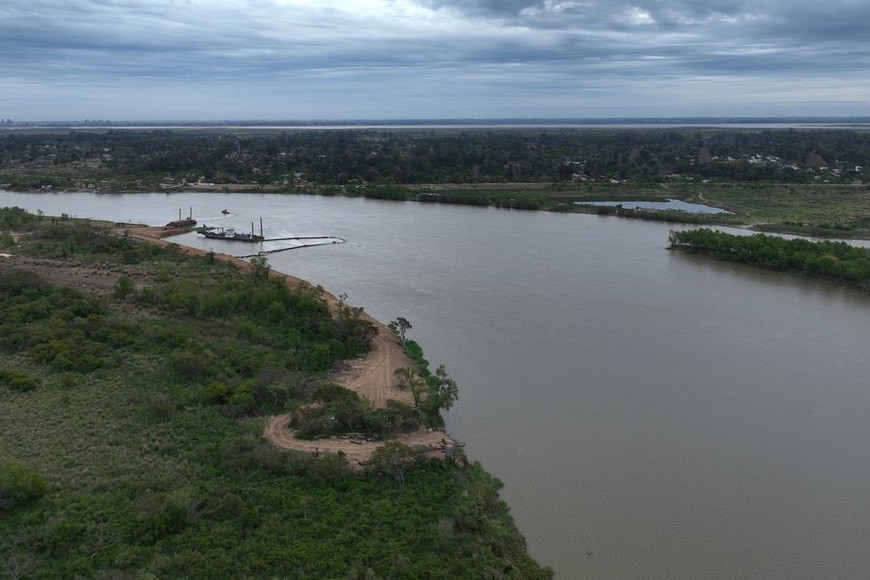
394, 458
443, 390
400, 326
411, 380
260, 268
352, 329
124, 287
19, 484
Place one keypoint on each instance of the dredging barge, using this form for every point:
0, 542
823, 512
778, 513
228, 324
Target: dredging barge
181, 222
231, 234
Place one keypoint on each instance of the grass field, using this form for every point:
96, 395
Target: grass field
118, 460
817, 210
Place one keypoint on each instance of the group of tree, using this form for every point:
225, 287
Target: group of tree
334, 410
827, 259
432, 392
356, 159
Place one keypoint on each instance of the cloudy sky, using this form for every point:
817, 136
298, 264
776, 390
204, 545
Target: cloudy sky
400, 59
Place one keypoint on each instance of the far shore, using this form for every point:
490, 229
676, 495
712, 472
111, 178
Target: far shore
563, 203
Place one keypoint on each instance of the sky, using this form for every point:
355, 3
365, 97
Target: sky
431, 59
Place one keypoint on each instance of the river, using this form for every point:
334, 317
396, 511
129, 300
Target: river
652, 414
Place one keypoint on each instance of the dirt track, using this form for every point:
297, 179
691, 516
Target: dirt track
372, 377
356, 453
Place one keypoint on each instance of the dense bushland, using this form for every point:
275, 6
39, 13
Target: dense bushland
131, 446
832, 260
358, 160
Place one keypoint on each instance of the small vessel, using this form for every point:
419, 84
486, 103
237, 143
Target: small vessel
225, 211
231, 234
182, 222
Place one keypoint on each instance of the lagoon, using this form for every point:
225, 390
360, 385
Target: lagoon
673, 204
652, 414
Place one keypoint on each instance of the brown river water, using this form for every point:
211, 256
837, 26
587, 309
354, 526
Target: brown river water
652, 414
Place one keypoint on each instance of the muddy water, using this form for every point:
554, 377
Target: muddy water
652, 414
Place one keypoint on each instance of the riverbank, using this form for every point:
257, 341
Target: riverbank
131, 397
667, 402
372, 377
833, 211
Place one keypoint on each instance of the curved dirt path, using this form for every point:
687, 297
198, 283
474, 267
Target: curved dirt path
372, 377
356, 453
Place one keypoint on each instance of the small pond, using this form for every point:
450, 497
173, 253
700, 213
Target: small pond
669, 204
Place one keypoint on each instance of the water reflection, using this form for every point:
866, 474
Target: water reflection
672, 204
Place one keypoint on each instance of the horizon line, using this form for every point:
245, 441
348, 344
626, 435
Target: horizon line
446, 122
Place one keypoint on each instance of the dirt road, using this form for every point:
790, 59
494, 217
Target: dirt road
372, 377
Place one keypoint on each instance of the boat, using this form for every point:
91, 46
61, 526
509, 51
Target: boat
233, 235
182, 222
225, 211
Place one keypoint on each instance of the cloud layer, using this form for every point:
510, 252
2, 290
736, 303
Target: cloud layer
305, 59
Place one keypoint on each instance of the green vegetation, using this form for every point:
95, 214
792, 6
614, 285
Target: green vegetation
19, 484
17, 381
400, 326
134, 448
831, 260
432, 393
811, 181
380, 163
333, 410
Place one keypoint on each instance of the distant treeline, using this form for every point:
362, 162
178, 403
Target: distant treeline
130, 158
832, 260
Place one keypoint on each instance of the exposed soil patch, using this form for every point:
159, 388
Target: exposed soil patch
357, 453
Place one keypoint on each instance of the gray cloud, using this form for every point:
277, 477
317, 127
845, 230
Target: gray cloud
285, 58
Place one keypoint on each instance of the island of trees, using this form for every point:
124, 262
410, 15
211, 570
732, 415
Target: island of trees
836, 261
134, 379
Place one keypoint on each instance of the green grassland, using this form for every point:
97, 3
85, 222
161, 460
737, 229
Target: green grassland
130, 432
811, 181
824, 210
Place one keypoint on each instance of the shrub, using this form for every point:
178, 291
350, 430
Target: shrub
6, 240
192, 363
415, 353
19, 484
123, 287
162, 515
18, 381
393, 459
